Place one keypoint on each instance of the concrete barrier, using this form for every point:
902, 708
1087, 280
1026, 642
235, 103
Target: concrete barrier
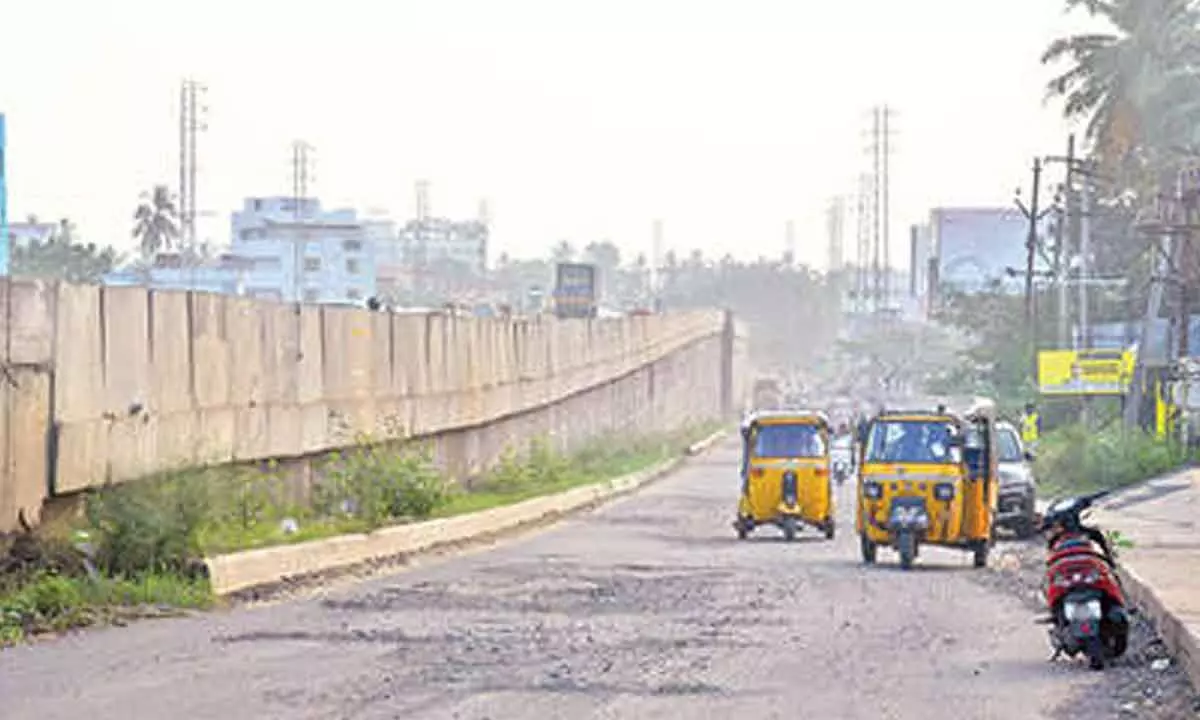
241, 571
113, 384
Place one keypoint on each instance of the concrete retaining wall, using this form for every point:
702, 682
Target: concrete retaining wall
113, 384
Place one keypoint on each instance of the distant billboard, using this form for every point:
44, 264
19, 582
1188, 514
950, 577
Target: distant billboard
974, 247
575, 290
1085, 372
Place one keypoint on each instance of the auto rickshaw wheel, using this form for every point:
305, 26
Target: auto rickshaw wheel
868, 549
788, 523
743, 528
829, 529
981, 554
906, 545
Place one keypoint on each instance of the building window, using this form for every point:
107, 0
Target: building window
352, 245
352, 267
312, 264
354, 294
311, 294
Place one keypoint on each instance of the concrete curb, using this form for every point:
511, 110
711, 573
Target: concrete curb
241, 571
1181, 642
704, 445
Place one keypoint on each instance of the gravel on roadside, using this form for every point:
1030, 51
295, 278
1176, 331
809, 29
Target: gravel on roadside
1145, 684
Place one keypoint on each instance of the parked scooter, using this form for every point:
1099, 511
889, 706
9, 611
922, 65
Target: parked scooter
1083, 592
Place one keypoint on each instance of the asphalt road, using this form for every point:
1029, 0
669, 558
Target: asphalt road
646, 608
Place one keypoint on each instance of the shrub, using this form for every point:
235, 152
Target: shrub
151, 525
1075, 458
378, 484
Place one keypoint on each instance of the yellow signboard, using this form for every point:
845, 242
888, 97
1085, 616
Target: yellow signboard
1085, 372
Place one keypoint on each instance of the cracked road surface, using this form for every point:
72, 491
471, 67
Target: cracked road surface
646, 608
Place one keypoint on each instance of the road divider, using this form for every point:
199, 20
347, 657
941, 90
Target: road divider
246, 570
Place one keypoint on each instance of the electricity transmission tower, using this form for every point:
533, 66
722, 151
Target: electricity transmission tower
302, 178
835, 225
193, 120
881, 154
862, 255
303, 165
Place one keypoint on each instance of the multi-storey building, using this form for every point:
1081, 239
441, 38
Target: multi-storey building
298, 252
438, 242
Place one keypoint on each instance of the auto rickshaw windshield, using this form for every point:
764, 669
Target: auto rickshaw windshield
913, 441
789, 441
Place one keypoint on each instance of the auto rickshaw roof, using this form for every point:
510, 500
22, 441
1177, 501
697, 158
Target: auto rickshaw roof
979, 408
781, 417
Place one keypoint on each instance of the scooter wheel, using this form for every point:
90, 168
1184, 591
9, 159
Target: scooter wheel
1095, 654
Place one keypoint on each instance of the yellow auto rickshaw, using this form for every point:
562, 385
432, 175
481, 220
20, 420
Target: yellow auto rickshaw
928, 477
785, 473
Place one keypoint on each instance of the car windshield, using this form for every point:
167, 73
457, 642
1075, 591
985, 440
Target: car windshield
789, 441
1009, 447
912, 441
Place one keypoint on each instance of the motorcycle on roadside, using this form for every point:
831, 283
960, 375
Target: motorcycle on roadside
1087, 606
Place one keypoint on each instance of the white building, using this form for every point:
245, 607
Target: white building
23, 234
303, 253
435, 242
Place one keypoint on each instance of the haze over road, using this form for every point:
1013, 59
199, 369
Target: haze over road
646, 608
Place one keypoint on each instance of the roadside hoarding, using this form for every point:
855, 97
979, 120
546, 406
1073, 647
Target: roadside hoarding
1085, 372
575, 290
974, 247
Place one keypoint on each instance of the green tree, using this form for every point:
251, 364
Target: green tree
1127, 84
62, 257
997, 358
156, 222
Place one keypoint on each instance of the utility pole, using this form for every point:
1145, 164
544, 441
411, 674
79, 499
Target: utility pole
5, 245
1031, 242
884, 192
863, 251
1063, 232
835, 226
192, 121
876, 245
1085, 229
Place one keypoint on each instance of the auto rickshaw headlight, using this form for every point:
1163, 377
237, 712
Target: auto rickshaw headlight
873, 490
944, 492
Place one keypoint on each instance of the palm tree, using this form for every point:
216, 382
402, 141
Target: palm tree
1121, 82
156, 222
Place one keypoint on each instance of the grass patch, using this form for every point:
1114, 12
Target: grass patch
1077, 459
140, 546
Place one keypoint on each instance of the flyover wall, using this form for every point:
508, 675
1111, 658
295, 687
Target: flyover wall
110, 384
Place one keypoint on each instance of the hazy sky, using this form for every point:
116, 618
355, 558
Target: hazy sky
578, 120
